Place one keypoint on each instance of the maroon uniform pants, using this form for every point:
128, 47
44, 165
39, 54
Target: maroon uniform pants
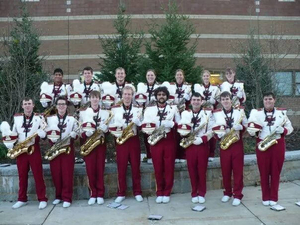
163, 158
212, 147
62, 171
270, 163
130, 152
95, 166
197, 159
232, 162
26, 162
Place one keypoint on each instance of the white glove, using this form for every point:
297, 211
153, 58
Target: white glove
136, 121
54, 140
220, 135
198, 141
73, 134
186, 96
212, 101
44, 104
237, 127
252, 133
103, 127
239, 94
41, 133
167, 123
88, 133
9, 145
279, 130
75, 103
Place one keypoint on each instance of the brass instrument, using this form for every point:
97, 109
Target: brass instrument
269, 140
126, 134
22, 147
188, 141
232, 136
181, 105
93, 141
158, 134
48, 111
60, 147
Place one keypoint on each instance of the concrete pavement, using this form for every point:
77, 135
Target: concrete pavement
178, 211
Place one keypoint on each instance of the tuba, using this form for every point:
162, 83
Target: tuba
60, 147
270, 140
231, 137
94, 140
188, 141
23, 147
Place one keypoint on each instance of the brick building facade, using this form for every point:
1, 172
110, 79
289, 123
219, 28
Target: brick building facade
69, 31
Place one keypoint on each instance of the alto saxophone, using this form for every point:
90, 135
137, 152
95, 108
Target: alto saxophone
231, 137
60, 147
126, 134
158, 134
188, 141
93, 141
269, 140
23, 147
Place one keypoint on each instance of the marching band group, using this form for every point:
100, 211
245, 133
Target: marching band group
177, 122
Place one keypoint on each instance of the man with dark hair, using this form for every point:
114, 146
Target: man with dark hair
50, 92
233, 123
26, 125
269, 125
163, 152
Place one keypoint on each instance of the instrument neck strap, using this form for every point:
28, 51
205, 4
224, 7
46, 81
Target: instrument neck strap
56, 91
61, 124
179, 90
161, 113
269, 119
150, 90
229, 120
206, 91
195, 118
126, 114
119, 91
87, 90
27, 125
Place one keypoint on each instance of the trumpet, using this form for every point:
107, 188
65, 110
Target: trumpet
94, 140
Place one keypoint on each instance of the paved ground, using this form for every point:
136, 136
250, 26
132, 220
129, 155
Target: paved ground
178, 211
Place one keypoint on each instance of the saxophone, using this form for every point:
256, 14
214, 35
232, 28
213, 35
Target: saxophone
93, 141
23, 147
188, 141
270, 140
60, 147
158, 134
231, 137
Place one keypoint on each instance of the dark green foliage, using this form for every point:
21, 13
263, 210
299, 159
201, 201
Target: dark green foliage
121, 50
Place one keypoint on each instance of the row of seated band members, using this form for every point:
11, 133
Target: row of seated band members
161, 122
180, 94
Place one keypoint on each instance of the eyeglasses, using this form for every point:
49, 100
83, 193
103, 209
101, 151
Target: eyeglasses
161, 94
61, 104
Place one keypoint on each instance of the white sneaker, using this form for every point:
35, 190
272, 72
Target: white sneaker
201, 199
266, 203
100, 201
139, 198
273, 203
92, 201
166, 199
177, 160
119, 199
236, 202
42, 205
66, 204
159, 199
211, 159
195, 199
19, 204
56, 201
225, 198
149, 161
182, 160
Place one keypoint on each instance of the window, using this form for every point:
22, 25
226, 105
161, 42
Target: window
287, 83
30, 0
286, 0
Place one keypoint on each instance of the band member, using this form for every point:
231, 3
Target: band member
269, 124
95, 160
144, 97
85, 88
163, 151
235, 87
50, 92
209, 94
182, 98
231, 152
62, 166
119, 84
25, 126
124, 128
197, 120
